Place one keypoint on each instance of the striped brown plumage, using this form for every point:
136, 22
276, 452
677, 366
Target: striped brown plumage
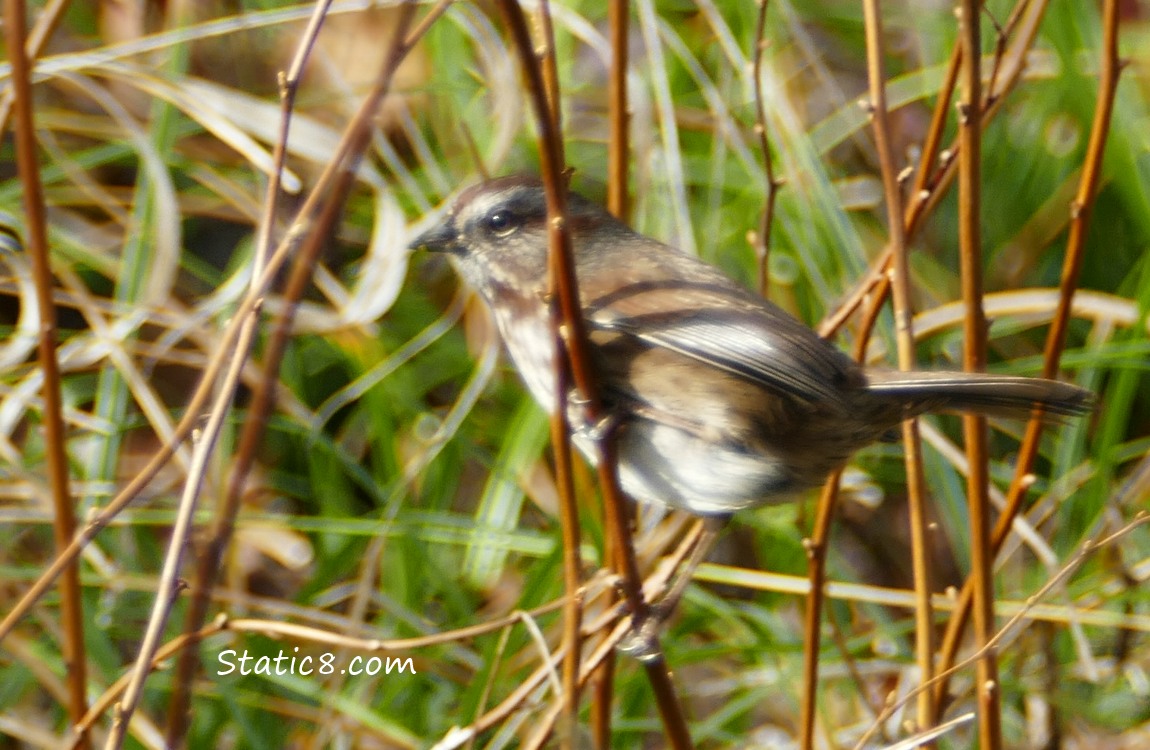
721, 400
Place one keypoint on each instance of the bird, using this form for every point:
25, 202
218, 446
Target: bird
720, 400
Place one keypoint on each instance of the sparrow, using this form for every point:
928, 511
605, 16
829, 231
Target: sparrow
721, 401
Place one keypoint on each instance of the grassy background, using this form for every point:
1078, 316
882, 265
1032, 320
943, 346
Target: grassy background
403, 487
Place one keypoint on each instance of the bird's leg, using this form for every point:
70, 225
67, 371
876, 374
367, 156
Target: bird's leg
594, 433
712, 527
642, 642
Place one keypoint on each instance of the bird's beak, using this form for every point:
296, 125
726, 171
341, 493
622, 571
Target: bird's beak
440, 238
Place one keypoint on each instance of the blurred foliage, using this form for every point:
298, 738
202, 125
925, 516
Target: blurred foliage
404, 488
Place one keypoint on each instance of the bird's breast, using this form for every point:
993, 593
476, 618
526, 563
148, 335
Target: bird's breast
526, 331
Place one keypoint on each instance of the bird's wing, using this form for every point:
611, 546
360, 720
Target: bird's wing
730, 330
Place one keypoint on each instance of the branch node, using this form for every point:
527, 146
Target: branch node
963, 113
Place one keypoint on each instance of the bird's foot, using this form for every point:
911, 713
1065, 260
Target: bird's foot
642, 642
595, 432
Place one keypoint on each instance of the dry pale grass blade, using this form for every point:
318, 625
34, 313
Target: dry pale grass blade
359, 387
1036, 307
1026, 532
381, 277
922, 739
1085, 610
21, 342
110, 342
236, 119
673, 180
84, 185
418, 462
1023, 308
106, 341
165, 241
249, 20
849, 120
729, 133
75, 356
496, 67
737, 60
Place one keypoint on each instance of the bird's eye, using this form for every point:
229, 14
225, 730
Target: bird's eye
501, 222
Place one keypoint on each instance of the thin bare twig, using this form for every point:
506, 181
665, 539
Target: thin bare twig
619, 204
928, 159
974, 360
304, 633
875, 284
543, 85
1056, 335
591, 665
264, 396
766, 220
55, 437
208, 564
816, 548
560, 242
225, 347
619, 140
572, 562
192, 415
999, 49
570, 328
340, 169
1085, 550
550, 66
42, 29
929, 187
560, 429
904, 333
605, 650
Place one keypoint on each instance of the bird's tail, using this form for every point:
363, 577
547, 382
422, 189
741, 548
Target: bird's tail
999, 395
